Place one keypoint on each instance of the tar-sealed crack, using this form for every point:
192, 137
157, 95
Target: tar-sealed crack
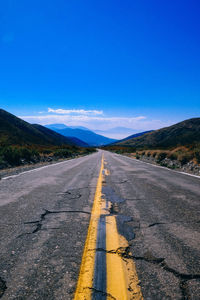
3, 287
38, 223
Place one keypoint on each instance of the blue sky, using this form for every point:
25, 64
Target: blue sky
135, 62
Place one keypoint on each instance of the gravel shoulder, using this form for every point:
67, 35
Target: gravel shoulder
189, 168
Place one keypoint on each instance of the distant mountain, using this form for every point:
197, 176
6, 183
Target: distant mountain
116, 132
85, 135
15, 131
63, 126
183, 133
58, 126
78, 142
51, 133
80, 127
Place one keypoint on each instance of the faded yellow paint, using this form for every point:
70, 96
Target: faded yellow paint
116, 285
85, 281
122, 279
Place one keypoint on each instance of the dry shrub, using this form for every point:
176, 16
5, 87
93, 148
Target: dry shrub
173, 156
161, 155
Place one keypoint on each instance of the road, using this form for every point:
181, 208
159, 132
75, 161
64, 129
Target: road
124, 216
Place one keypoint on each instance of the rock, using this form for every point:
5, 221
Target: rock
189, 167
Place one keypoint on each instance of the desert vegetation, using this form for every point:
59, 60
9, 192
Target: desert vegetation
11, 156
176, 146
181, 154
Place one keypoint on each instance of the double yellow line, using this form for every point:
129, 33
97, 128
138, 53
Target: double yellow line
121, 276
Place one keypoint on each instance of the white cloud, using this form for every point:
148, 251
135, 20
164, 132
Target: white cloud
84, 120
94, 122
75, 111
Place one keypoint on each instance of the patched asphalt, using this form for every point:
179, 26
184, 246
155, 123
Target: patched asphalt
44, 217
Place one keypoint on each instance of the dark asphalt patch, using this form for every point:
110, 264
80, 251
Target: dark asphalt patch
100, 262
110, 195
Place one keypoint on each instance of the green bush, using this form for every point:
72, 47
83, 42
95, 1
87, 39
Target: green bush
46, 151
14, 156
25, 154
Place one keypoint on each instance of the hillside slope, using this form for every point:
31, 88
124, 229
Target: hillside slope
53, 134
183, 133
14, 131
135, 135
87, 136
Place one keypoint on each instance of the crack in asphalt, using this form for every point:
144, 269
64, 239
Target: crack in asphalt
120, 182
38, 223
3, 287
140, 226
167, 223
73, 196
80, 188
125, 253
113, 210
156, 223
101, 293
75, 193
183, 278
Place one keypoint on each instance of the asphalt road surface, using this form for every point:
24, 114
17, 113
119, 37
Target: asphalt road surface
45, 215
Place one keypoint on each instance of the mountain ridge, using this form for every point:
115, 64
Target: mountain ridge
15, 131
87, 136
182, 133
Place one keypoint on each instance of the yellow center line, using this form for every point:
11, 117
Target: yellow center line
116, 285
85, 281
122, 280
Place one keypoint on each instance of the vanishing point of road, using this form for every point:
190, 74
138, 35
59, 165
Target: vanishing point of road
103, 226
